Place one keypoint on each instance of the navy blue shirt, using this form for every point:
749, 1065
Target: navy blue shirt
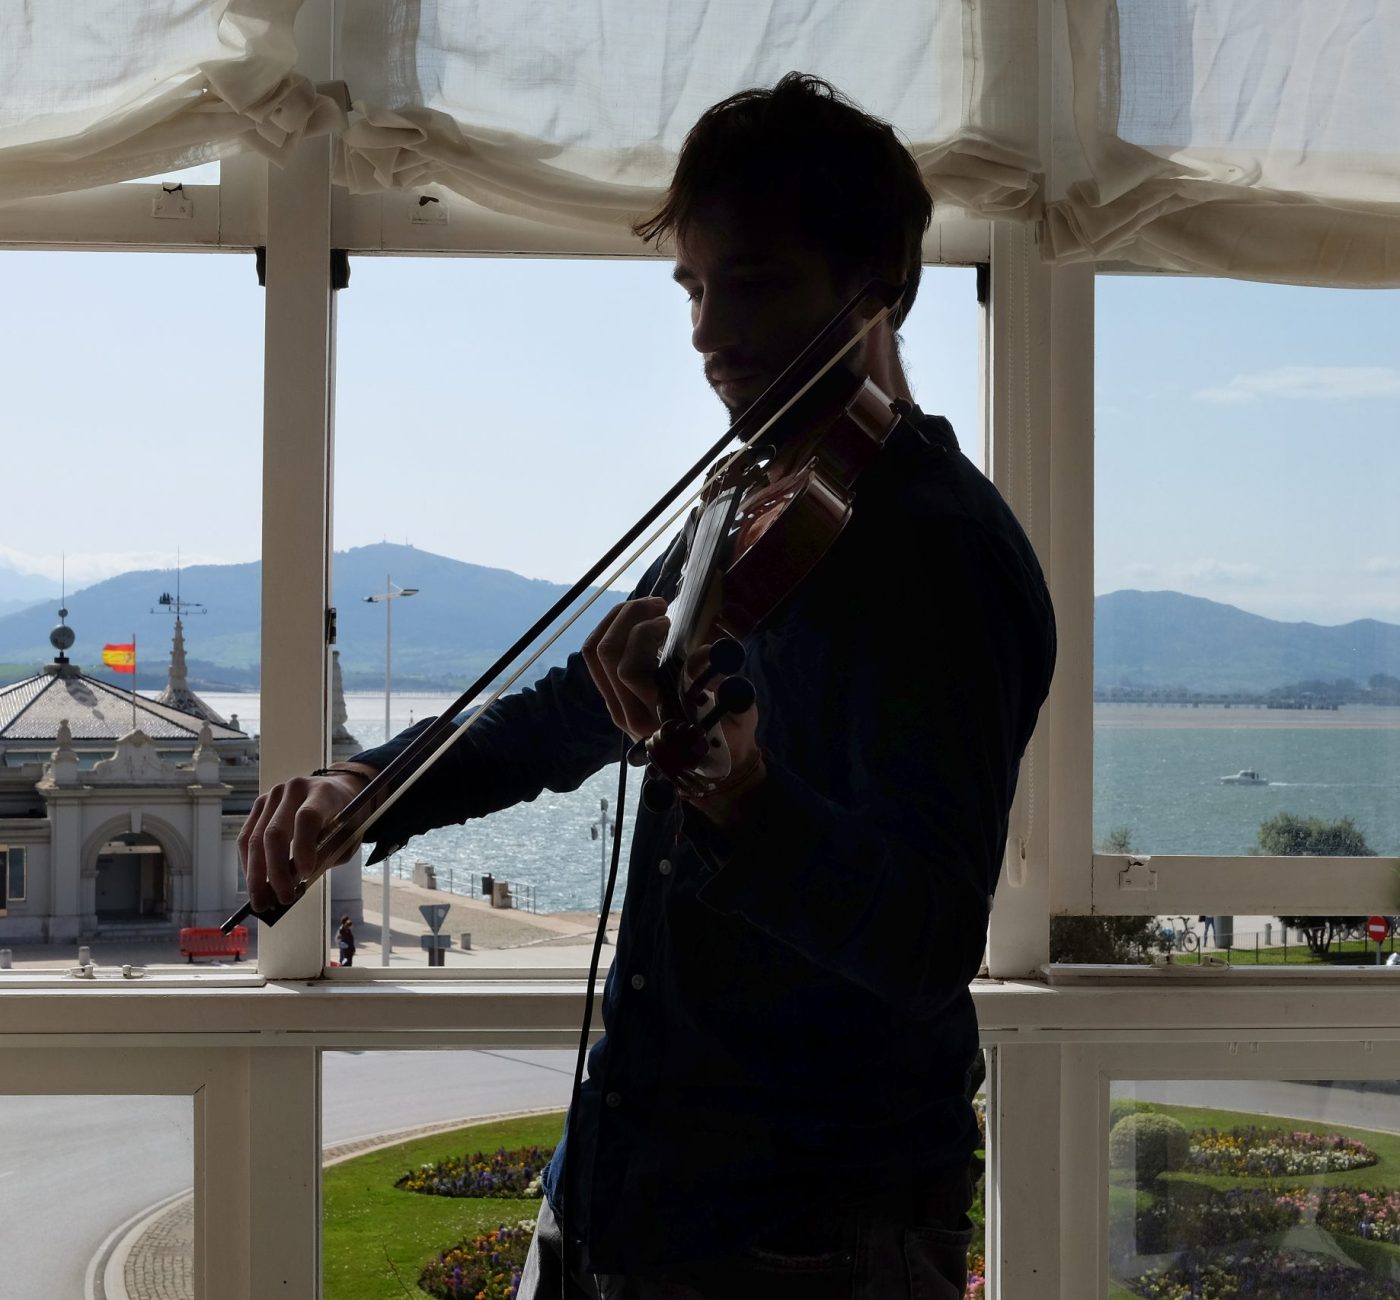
787, 1016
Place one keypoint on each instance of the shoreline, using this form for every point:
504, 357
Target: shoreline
1243, 717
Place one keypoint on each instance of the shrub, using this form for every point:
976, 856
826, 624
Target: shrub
1160, 1144
1120, 1107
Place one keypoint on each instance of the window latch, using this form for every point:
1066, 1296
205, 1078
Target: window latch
1138, 874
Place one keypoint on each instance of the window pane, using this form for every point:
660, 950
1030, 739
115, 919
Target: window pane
1247, 622
433, 1109
550, 403
16, 874
1223, 1188
135, 398
75, 1169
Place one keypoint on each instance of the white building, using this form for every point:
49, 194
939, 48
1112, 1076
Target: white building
119, 815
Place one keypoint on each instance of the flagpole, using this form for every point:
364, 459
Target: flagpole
133, 681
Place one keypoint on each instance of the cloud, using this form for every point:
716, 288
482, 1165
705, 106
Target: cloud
1310, 383
1381, 564
1210, 572
83, 568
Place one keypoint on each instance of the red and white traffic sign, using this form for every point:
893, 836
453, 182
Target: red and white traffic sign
1377, 928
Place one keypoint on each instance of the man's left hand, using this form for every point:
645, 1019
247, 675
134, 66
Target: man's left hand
622, 654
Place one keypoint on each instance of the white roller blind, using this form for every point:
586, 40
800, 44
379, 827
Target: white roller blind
1247, 138
104, 90
1250, 138
572, 111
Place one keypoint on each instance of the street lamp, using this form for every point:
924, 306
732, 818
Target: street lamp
599, 831
390, 593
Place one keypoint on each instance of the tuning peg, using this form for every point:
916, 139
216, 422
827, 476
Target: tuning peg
735, 695
726, 657
658, 794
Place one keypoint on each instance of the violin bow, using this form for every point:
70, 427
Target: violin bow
348, 828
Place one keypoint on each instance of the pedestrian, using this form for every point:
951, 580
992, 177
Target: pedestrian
1207, 929
345, 941
779, 1105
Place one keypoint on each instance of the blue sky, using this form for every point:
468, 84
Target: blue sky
514, 412
1248, 445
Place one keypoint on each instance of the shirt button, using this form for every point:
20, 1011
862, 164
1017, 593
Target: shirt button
664, 867
614, 1099
639, 981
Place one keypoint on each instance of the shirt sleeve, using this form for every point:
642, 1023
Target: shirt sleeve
944, 659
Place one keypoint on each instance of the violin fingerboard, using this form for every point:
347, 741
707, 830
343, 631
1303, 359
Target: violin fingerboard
707, 553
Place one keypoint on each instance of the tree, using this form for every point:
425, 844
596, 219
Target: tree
1108, 940
1290, 836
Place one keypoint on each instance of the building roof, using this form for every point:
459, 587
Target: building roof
177, 693
96, 712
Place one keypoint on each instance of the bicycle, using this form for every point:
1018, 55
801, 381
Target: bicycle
1183, 940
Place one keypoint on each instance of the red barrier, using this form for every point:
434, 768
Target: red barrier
202, 941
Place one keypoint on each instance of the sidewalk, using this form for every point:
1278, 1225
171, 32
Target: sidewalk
500, 937
153, 1258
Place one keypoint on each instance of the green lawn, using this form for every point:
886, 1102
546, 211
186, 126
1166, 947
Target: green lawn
376, 1238
1350, 952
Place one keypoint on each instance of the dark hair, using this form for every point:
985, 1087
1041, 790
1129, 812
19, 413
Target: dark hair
804, 156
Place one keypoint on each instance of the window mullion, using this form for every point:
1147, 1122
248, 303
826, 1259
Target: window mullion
298, 382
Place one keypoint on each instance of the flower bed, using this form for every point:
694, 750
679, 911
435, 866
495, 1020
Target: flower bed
1349, 1211
1268, 1152
505, 1173
484, 1267
1261, 1272
976, 1277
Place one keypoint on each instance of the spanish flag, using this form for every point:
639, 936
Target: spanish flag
120, 658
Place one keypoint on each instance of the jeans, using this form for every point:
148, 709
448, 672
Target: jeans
897, 1248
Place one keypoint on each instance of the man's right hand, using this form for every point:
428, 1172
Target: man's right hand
277, 844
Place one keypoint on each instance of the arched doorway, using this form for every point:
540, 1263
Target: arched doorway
133, 879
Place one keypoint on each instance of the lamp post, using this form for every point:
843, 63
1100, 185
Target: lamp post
599, 831
387, 597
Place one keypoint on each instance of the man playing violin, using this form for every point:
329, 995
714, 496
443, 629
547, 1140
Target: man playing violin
778, 1107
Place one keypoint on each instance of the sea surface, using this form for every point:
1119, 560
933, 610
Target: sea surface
1157, 772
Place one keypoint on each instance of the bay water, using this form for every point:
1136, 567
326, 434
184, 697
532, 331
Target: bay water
1157, 773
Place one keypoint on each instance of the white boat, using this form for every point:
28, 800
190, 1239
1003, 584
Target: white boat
1245, 776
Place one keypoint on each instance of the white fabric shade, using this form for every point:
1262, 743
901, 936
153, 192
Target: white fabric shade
106, 90
574, 113
1244, 138
1232, 137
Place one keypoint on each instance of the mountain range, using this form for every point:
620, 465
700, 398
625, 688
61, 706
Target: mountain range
460, 620
1165, 639
465, 614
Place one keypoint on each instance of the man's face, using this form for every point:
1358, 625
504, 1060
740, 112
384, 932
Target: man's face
757, 298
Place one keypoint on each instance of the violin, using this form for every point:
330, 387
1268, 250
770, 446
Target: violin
759, 534
768, 513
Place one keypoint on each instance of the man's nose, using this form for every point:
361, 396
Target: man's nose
714, 325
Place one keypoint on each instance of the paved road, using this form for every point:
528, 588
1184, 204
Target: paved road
72, 1168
